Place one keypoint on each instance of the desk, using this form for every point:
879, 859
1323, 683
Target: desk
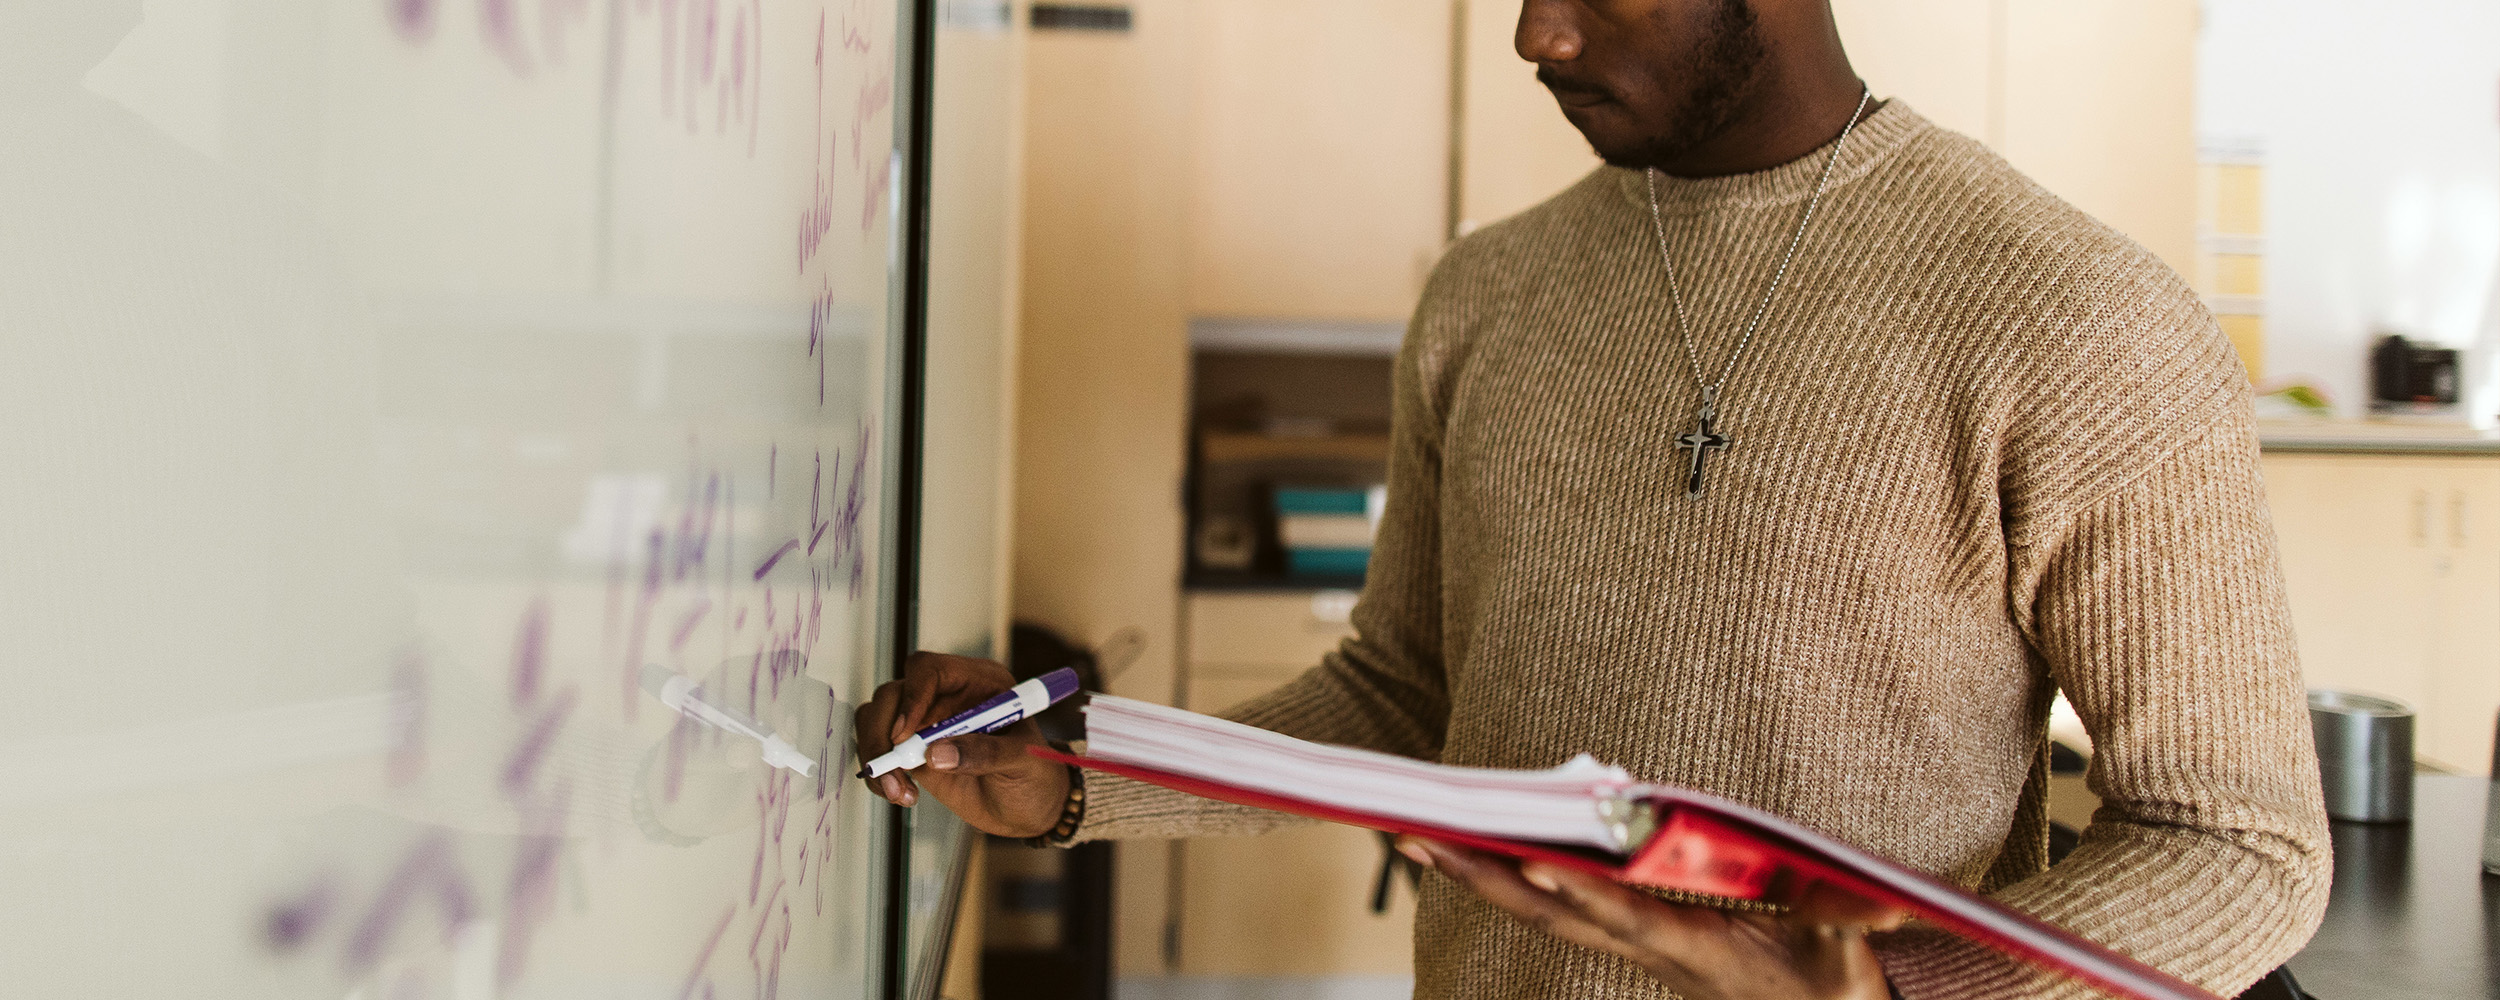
2412, 914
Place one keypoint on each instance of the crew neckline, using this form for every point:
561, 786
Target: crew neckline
1884, 131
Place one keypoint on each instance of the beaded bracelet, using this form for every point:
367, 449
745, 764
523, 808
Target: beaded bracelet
1071, 813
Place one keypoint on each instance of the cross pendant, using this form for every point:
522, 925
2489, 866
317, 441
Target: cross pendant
1701, 442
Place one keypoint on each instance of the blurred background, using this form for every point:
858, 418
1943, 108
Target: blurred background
416, 337
1231, 206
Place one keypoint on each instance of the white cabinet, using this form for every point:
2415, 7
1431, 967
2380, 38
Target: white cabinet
2393, 564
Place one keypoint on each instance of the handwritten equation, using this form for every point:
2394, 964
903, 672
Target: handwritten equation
444, 890
709, 53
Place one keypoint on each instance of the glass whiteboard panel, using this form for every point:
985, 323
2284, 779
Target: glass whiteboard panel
408, 407
964, 462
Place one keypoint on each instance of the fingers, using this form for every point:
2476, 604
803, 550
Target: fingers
871, 737
979, 756
872, 725
936, 685
1620, 912
1499, 883
933, 686
1829, 905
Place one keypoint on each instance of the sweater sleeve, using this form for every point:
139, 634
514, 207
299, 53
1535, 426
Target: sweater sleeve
2159, 609
1383, 688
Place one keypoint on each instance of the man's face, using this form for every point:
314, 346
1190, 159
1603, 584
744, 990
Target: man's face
1644, 80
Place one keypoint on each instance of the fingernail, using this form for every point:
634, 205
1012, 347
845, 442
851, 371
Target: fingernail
1540, 877
910, 796
891, 787
1415, 852
944, 757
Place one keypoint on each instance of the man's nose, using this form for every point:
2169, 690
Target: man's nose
1548, 33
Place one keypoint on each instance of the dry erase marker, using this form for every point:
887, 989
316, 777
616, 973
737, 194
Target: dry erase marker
680, 693
1010, 707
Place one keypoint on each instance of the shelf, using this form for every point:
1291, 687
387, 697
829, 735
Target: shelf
1295, 336
1243, 580
1227, 447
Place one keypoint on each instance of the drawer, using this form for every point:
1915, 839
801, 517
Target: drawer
1295, 627
1295, 902
1212, 690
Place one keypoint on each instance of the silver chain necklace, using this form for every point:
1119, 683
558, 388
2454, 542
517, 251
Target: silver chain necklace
1705, 437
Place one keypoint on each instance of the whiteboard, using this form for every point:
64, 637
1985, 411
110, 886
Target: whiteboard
395, 396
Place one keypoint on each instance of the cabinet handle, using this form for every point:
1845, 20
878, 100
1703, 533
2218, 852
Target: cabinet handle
2421, 519
2456, 519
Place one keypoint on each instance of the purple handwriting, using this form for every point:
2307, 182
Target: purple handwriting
630, 672
686, 627
873, 98
406, 762
529, 898
529, 655
521, 767
772, 940
701, 66
673, 556
694, 528
500, 24
775, 559
819, 322
429, 870
292, 923
413, 19
703, 958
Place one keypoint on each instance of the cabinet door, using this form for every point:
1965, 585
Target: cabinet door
2462, 696
1285, 631
2357, 536
1294, 902
1318, 181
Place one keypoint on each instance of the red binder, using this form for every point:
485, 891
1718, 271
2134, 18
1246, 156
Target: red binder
1711, 846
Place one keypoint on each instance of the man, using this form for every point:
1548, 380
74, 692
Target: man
1800, 455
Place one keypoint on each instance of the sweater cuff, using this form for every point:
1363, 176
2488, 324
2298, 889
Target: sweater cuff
1118, 808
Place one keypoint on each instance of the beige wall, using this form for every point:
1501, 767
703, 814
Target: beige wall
1102, 401
2100, 102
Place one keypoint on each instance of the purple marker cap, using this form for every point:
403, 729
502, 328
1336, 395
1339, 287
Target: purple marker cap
1060, 683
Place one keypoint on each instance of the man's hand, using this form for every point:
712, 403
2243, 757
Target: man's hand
1816, 952
991, 781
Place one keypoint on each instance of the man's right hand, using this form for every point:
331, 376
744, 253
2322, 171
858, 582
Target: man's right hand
993, 782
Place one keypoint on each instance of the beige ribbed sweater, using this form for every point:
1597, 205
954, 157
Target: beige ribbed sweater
1985, 449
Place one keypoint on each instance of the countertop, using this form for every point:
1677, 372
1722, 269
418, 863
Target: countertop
2412, 915
2375, 437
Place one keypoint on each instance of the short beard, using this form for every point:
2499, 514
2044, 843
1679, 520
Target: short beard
1724, 70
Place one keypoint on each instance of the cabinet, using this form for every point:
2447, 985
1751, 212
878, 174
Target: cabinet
2393, 565
1319, 166
1295, 902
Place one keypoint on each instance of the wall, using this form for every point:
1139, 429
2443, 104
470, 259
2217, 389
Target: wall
2380, 128
2093, 100
1102, 376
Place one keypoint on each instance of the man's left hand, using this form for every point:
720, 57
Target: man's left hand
1816, 951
